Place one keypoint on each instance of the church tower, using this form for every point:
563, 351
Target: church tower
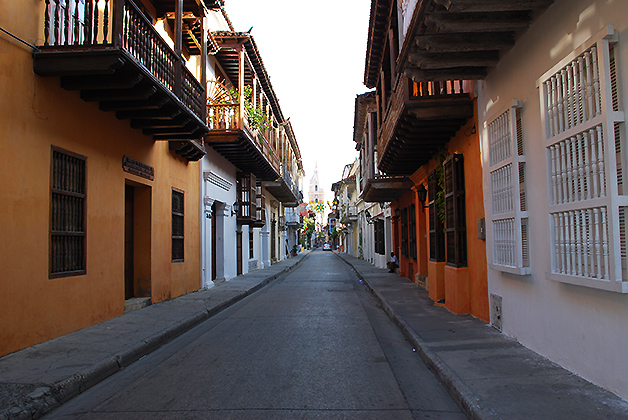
316, 193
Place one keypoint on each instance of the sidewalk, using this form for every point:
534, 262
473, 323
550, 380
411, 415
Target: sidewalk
490, 375
35, 380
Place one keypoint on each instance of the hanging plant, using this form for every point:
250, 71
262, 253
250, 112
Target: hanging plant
439, 171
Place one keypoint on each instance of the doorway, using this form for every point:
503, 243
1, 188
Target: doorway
214, 242
137, 241
239, 251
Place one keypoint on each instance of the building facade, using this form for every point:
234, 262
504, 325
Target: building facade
552, 119
253, 171
100, 188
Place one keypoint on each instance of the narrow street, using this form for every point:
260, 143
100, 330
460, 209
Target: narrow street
312, 344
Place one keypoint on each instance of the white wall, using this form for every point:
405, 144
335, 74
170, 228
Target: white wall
583, 329
224, 197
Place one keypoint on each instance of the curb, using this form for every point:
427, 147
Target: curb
47, 398
466, 399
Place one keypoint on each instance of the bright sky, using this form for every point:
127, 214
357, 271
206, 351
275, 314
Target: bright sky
314, 54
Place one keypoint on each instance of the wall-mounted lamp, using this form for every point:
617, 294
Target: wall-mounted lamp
235, 209
470, 131
422, 195
397, 213
369, 219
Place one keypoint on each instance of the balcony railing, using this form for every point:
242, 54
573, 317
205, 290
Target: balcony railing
226, 117
93, 24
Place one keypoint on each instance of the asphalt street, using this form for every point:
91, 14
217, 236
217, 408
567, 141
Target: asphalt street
312, 344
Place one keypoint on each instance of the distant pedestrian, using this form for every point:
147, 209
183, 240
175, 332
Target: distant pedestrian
393, 264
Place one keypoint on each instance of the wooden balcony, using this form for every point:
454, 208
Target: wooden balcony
386, 188
247, 148
420, 119
111, 53
284, 189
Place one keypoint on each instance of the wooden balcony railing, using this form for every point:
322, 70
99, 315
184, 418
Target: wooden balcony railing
120, 23
413, 91
227, 117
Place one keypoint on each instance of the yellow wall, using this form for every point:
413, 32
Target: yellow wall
35, 113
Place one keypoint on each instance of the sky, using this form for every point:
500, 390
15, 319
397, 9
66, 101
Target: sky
314, 53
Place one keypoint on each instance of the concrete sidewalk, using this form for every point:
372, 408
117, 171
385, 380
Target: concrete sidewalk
35, 380
490, 375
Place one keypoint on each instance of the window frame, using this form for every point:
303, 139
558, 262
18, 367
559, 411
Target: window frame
508, 217
436, 226
404, 232
52, 233
612, 205
177, 215
456, 214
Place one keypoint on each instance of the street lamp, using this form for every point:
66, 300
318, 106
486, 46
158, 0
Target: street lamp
235, 209
422, 195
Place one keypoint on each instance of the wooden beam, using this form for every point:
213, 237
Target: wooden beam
460, 42
447, 22
492, 5
92, 82
435, 61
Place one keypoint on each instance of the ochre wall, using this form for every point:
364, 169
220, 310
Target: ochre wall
35, 113
465, 290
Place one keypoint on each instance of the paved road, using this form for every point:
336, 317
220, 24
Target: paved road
312, 344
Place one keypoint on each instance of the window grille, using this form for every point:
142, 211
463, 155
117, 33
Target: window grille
437, 229
455, 211
380, 245
584, 146
178, 214
508, 193
67, 214
412, 232
260, 203
247, 197
404, 232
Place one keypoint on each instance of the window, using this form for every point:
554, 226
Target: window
455, 211
177, 226
380, 244
67, 214
260, 203
509, 216
412, 232
247, 196
251, 243
585, 155
404, 232
437, 229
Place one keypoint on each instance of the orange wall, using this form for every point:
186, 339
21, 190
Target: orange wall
35, 113
469, 284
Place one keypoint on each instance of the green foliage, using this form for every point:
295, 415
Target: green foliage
258, 120
334, 232
439, 201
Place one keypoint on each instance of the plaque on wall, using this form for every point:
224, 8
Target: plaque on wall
138, 168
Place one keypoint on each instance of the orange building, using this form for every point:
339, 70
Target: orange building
100, 181
423, 138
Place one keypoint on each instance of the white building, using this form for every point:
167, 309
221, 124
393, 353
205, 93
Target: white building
552, 121
252, 171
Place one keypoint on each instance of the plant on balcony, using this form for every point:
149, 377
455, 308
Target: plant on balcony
258, 120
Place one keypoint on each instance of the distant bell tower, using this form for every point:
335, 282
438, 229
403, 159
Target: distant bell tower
316, 193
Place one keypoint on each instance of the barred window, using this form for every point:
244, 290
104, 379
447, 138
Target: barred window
455, 211
404, 232
412, 232
509, 217
380, 245
177, 226
437, 229
585, 155
67, 214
